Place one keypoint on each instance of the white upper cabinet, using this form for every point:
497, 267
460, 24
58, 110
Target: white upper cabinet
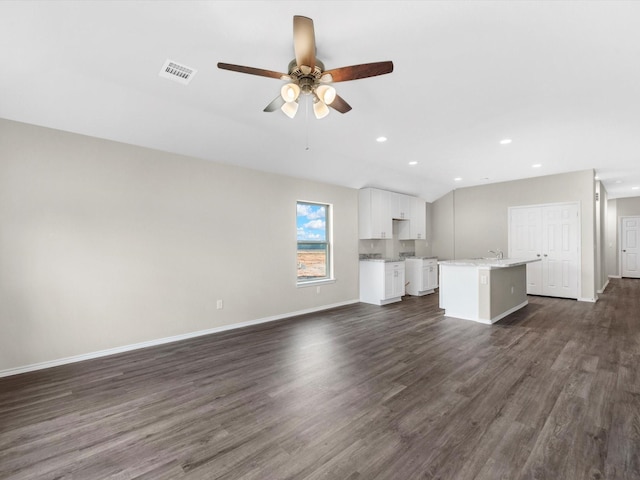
416, 227
401, 206
374, 214
378, 209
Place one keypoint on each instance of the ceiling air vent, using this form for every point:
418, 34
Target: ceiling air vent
180, 73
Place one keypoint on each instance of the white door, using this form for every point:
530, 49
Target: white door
551, 233
630, 237
525, 241
560, 250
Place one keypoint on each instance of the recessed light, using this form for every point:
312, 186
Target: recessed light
618, 181
457, 179
635, 188
536, 165
413, 162
381, 139
596, 177
505, 141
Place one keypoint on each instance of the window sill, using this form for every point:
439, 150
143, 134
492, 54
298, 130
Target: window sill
315, 283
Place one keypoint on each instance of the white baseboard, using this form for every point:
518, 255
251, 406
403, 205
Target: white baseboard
161, 341
603, 287
448, 313
615, 276
590, 300
509, 312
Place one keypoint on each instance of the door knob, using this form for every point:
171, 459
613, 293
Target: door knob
624, 250
537, 254
545, 254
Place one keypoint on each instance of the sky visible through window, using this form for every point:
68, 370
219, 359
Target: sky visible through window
311, 222
313, 246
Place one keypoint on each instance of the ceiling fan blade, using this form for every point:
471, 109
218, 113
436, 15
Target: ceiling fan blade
253, 71
355, 72
304, 41
275, 104
340, 105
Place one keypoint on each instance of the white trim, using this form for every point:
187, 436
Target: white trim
484, 320
509, 312
619, 242
590, 300
161, 341
316, 283
614, 276
603, 287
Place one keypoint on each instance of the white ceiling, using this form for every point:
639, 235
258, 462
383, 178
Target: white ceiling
561, 79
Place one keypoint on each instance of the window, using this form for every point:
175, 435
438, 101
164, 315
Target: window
314, 242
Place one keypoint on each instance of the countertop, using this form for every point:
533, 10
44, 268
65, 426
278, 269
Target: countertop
383, 260
489, 263
421, 258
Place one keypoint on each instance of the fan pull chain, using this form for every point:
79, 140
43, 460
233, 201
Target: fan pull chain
306, 115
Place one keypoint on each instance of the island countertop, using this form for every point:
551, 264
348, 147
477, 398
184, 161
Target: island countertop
489, 263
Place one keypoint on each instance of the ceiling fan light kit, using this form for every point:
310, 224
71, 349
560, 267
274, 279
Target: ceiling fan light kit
290, 92
290, 109
320, 109
307, 76
326, 94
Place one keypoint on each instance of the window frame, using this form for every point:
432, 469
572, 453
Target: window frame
328, 218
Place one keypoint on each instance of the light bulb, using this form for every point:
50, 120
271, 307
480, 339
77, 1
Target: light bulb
326, 94
290, 92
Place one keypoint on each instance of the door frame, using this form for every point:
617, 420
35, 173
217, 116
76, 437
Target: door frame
577, 203
619, 245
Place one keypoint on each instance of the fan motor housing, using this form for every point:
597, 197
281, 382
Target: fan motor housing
306, 81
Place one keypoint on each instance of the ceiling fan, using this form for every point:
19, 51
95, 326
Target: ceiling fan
307, 76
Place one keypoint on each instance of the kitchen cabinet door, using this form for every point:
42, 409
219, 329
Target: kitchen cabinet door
394, 280
432, 276
381, 282
400, 206
421, 276
415, 227
374, 217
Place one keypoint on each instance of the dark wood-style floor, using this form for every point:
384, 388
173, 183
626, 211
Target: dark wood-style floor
359, 392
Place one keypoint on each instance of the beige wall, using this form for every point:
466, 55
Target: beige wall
480, 223
104, 245
442, 227
628, 207
506, 289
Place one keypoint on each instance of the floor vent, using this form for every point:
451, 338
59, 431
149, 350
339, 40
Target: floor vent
180, 73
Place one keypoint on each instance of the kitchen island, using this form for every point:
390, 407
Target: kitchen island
483, 290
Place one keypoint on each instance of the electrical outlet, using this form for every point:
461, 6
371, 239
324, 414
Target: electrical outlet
219, 305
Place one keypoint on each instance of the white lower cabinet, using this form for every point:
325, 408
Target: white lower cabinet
422, 275
381, 282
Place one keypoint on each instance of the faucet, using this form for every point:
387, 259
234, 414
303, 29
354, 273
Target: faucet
498, 253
